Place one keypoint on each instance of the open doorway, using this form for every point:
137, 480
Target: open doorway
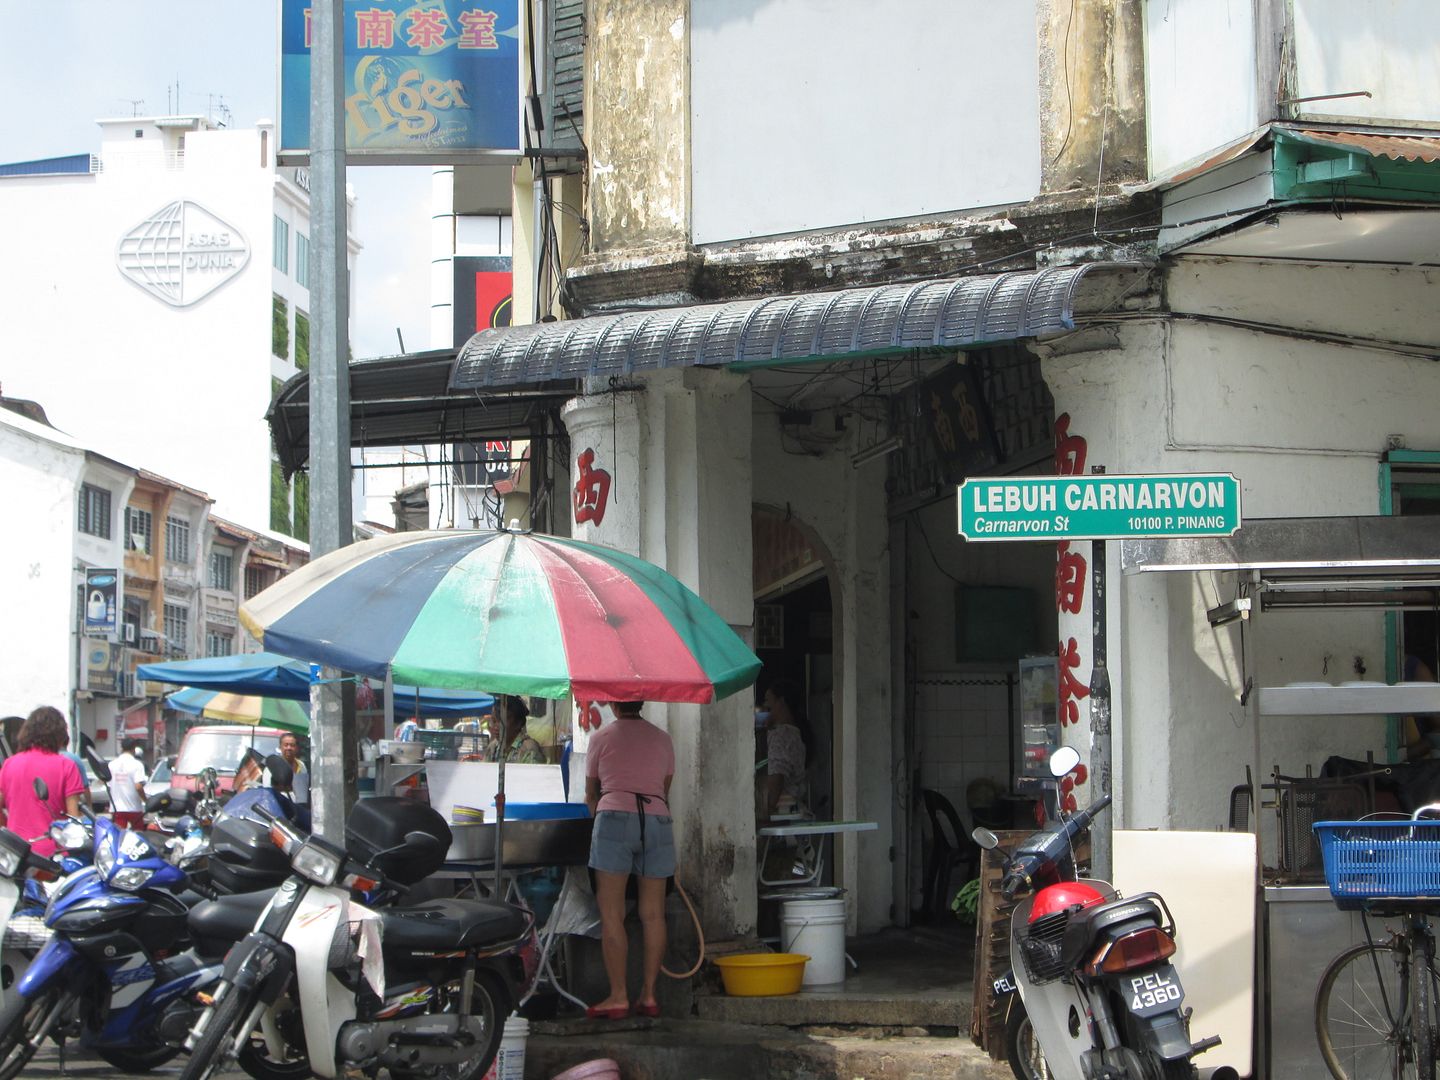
794, 639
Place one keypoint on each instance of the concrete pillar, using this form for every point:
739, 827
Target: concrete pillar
676, 455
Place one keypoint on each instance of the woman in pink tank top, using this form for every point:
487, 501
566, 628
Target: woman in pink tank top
628, 768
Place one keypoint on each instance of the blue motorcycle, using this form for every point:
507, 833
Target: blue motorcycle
117, 964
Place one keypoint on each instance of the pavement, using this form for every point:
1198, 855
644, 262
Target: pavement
902, 1014
682, 1050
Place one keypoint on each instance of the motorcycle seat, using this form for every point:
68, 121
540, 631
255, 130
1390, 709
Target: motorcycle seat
451, 924
230, 918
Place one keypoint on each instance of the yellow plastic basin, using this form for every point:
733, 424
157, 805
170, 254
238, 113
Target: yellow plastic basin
761, 974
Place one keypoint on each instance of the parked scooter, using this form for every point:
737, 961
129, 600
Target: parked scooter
1101, 1001
16, 859
115, 963
323, 984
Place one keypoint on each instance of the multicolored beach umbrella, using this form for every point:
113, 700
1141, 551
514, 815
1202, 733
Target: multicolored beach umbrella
242, 708
506, 612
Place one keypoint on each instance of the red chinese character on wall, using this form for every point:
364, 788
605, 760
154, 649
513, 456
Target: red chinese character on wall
309, 29
1071, 688
1075, 778
590, 715
1070, 449
592, 489
1070, 574
478, 30
427, 28
374, 29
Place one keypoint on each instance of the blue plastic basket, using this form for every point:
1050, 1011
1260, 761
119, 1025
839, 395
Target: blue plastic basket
1367, 861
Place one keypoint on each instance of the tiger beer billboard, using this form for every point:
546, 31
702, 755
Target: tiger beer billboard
433, 80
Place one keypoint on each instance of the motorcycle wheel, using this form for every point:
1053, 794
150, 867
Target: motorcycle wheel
491, 1003
24, 1025
205, 1059
135, 1059
255, 1060
1027, 1061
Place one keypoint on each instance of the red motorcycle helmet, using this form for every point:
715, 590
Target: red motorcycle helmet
1062, 896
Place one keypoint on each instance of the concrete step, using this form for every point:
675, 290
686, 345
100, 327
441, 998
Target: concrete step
706, 1050
813, 1008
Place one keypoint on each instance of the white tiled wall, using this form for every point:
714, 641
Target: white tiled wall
962, 733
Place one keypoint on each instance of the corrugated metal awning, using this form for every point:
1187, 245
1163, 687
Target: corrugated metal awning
1394, 147
403, 400
948, 313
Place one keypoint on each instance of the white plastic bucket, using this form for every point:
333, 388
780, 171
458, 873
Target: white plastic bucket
817, 929
510, 1061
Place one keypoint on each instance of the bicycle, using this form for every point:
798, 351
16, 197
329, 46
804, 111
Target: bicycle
1376, 1005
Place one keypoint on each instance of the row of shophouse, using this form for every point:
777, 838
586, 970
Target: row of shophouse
109, 566
791, 273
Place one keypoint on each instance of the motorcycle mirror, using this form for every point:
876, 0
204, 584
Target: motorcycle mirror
985, 838
42, 790
1063, 760
95, 761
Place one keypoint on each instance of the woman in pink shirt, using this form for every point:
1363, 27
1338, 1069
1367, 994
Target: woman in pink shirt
42, 737
628, 768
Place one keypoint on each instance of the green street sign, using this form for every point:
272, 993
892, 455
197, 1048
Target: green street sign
1098, 506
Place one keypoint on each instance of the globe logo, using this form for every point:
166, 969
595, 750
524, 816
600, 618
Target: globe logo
182, 253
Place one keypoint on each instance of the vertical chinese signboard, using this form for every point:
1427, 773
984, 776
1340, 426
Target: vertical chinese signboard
427, 80
1074, 622
959, 422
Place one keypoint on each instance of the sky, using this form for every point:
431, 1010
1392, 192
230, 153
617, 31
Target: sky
126, 57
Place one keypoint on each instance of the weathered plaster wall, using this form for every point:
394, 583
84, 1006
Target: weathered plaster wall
1302, 423
637, 124
1092, 93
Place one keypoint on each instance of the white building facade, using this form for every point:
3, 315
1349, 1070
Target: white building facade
182, 252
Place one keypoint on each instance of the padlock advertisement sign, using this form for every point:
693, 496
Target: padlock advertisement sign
102, 598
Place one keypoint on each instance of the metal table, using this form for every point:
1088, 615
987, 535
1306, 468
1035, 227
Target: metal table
563, 842
814, 861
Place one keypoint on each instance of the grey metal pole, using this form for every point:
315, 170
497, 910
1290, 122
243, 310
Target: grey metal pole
334, 741
1101, 828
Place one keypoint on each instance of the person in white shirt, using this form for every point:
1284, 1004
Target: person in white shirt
127, 786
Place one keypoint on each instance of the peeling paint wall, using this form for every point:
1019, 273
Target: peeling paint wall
1302, 423
1092, 94
637, 123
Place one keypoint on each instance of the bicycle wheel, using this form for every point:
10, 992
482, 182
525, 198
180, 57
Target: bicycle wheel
1422, 1007
1361, 1017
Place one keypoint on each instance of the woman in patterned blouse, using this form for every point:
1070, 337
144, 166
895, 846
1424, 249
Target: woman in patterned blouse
785, 749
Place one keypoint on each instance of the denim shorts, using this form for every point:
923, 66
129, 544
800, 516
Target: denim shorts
616, 848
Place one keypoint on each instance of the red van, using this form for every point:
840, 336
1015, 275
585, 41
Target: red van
221, 747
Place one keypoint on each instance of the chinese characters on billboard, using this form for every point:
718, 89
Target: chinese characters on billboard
421, 77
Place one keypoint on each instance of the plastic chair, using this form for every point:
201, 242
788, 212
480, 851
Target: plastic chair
950, 846
982, 799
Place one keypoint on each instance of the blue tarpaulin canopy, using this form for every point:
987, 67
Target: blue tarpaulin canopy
272, 675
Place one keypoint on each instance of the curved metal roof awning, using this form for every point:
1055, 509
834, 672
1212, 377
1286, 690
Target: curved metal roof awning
949, 313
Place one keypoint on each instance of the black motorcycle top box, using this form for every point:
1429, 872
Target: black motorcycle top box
244, 858
382, 824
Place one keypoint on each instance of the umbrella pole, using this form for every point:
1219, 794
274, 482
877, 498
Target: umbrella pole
389, 703
500, 817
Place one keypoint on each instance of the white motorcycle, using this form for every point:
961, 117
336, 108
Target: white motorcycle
324, 984
1099, 998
